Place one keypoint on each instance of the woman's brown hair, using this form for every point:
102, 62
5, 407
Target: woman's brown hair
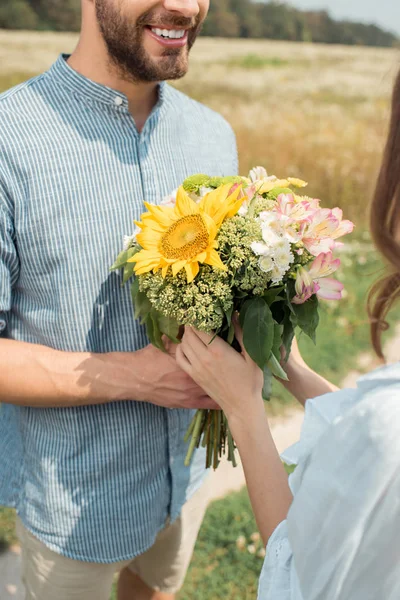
385, 228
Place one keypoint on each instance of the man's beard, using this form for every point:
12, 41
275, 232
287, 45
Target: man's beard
124, 41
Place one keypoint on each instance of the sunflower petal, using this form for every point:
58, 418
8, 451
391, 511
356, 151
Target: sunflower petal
213, 259
148, 239
164, 215
178, 266
201, 257
220, 205
184, 205
192, 270
143, 256
165, 271
211, 226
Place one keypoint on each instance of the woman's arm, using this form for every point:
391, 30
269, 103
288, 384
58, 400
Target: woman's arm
304, 383
234, 381
266, 478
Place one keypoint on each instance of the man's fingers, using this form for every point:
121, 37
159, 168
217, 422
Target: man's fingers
169, 346
205, 402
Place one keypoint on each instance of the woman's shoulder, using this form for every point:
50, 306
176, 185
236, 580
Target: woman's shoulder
324, 411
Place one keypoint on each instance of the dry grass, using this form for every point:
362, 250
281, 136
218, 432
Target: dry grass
319, 112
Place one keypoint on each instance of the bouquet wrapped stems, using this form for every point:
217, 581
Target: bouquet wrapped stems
210, 429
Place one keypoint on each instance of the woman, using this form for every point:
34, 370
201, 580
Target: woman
332, 531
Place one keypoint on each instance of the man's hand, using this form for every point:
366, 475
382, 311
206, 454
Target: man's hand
162, 382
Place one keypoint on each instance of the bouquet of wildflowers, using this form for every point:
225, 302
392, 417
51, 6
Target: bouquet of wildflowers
247, 245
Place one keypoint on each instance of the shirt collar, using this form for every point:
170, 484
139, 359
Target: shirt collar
95, 92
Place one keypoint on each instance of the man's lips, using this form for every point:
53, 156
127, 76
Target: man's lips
178, 39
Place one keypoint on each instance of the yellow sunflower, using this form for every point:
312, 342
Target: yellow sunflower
183, 236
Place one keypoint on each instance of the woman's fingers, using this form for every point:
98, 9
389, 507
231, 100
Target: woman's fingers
205, 338
182, 360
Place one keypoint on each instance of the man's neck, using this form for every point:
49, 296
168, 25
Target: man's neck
94, 63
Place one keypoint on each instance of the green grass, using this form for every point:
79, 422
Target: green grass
255, 61
7, 528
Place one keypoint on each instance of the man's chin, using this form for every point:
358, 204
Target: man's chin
171, 65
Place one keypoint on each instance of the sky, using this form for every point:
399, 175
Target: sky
385, 13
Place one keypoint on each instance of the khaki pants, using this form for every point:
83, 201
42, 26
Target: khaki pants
50, 576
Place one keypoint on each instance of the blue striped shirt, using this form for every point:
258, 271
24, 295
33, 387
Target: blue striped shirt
94, 483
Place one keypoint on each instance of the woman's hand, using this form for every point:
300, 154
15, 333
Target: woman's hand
235, 382
230, 378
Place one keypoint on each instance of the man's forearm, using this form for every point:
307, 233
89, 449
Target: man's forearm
34, 375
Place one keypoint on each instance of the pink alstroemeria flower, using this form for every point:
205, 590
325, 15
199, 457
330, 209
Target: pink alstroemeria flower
324, 228
292, 216
290, 210
315, 280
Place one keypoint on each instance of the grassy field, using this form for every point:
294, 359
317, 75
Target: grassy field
316, 112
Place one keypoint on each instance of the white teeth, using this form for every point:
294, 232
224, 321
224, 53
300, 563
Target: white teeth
169, 33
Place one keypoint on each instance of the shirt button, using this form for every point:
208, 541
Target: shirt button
118, 101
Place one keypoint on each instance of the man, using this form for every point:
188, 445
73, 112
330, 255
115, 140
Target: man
93, 418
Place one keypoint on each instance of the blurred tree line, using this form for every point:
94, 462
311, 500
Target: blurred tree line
228, 18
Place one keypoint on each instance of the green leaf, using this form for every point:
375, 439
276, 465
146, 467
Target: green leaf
157, 333
123, 257
231, 334
143, 306
134, 289
276, 368
267, 387
168, 326
273, 194
307, 317
120, 261
153, 331
258, 331
128, 272
290, 294
276, 348
288, 331
272, 295
243, 311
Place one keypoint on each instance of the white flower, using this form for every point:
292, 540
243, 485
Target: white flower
130, 240
169, 200
203, 191
261, 553
270, 236
257, 173
260, 249
242, 212
269, 218
251, 549
283, 259
266, 264
277, 274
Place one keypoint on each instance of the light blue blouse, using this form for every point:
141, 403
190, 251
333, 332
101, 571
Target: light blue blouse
340, 540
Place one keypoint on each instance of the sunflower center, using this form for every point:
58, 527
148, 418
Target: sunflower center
185, 239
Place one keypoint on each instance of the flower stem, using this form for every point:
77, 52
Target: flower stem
195, 437
217, 433
231, 444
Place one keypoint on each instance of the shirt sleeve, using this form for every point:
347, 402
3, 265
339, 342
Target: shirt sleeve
9, 263
278, 579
